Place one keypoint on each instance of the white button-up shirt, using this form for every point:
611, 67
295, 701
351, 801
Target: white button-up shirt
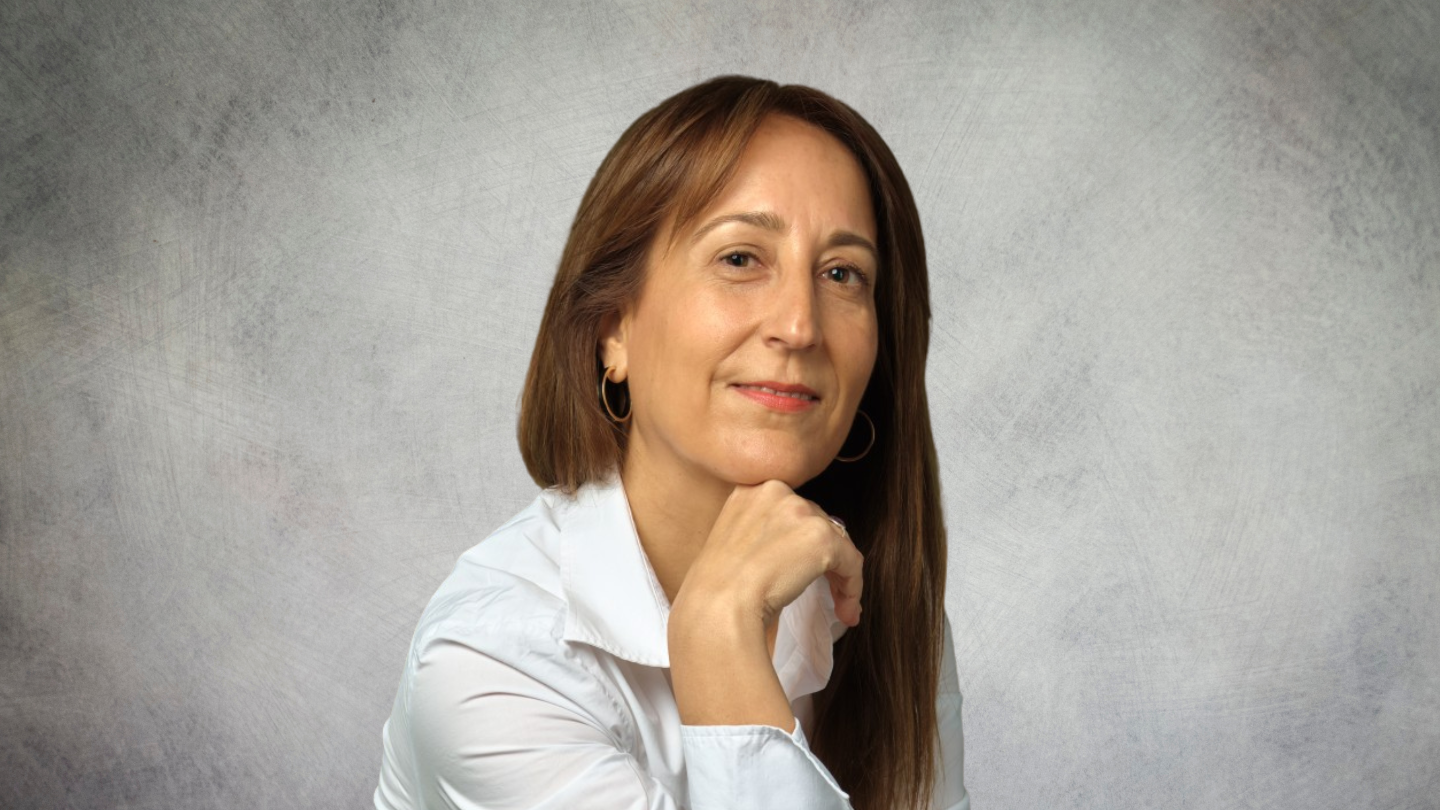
539, 678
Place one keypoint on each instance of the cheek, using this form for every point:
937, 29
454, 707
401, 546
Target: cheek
676, 349
856, 350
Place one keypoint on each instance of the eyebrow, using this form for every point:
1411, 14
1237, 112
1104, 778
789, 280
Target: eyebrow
770, 221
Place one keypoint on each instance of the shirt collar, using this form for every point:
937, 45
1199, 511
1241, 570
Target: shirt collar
615, 602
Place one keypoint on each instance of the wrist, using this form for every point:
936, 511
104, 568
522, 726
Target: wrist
714, 623
721, 670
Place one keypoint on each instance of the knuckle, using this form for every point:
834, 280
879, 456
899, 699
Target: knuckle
826, 548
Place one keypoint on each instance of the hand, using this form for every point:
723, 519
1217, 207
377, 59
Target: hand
766, 547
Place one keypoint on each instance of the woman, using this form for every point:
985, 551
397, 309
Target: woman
726, 406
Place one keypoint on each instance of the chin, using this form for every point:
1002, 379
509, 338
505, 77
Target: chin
793, 468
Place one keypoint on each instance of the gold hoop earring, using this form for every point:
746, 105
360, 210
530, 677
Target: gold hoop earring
866, 451
605, 401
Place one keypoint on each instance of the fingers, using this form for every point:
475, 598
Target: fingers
845, 570
847, 583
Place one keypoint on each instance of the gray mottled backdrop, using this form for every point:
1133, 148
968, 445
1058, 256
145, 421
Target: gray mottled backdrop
270, 273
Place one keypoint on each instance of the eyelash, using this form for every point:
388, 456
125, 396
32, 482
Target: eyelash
850, 268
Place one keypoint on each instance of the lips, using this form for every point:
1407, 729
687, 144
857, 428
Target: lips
781, 389
778, 396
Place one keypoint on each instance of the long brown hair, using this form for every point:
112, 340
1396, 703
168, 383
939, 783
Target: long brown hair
875, 724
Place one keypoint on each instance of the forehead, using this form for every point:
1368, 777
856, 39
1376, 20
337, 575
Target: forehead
795, 170
777, 132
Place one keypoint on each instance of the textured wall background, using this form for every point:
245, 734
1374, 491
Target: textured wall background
270, 274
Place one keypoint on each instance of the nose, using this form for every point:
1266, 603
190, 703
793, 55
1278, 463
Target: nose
793, 320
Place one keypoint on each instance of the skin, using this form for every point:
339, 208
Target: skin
772, 282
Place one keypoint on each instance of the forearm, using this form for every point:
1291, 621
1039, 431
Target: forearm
721, 672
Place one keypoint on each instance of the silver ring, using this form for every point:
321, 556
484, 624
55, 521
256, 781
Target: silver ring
839, 524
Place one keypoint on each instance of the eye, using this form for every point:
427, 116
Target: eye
737, 258
846, 275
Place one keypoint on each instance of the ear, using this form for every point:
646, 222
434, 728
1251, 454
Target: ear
614, 329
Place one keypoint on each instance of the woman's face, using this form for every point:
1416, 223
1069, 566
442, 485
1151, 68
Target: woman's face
754, 334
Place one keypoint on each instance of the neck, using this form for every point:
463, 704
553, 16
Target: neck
674, 505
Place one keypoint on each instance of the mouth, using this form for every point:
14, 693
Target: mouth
779, 396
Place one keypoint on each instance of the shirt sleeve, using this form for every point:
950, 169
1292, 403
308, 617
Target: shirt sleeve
760, 767
763, 767
486, 735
